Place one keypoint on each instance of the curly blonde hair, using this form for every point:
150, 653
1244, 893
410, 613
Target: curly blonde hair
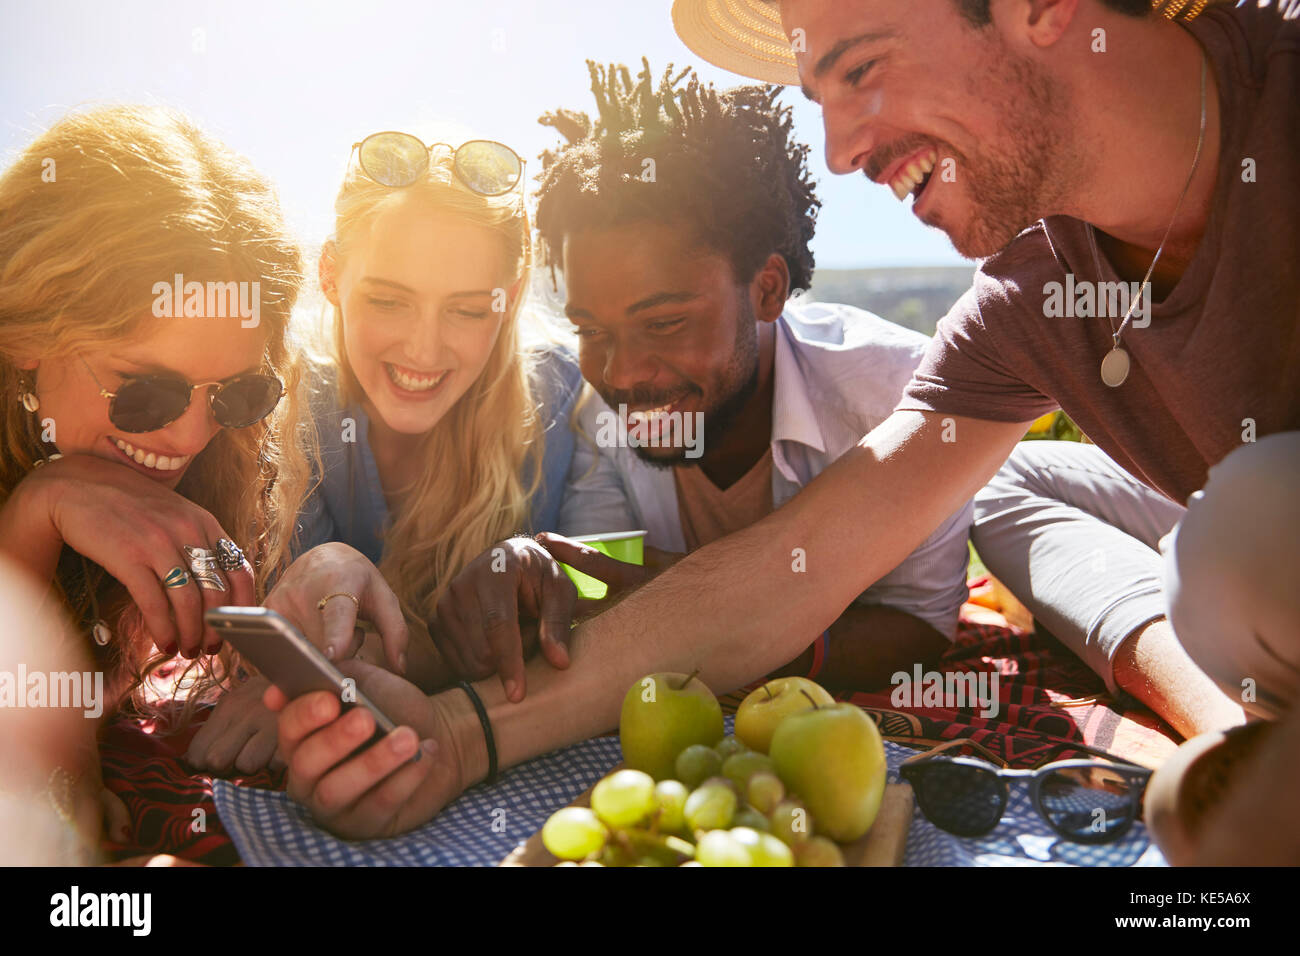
471, 494
92, 213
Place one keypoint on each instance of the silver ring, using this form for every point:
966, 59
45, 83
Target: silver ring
203, 565
229, 557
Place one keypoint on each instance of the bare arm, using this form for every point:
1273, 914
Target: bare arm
735, 610
855, 522
28, 537
53, 805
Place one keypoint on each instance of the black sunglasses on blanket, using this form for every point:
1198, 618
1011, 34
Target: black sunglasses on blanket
1084, 801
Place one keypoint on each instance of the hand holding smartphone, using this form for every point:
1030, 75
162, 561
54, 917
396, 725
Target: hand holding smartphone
290, 661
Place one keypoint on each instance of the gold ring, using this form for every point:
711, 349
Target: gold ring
320, 605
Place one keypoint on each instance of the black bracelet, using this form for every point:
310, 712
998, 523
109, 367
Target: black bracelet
487, 730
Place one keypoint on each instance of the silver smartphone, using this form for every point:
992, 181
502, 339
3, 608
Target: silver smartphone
288, 660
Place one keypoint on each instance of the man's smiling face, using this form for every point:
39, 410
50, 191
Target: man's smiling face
663, 326
926, 104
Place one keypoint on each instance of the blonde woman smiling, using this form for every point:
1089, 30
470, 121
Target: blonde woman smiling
441, 432
461, 434
130, 438
152, 466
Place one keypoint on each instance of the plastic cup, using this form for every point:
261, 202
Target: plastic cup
626, 546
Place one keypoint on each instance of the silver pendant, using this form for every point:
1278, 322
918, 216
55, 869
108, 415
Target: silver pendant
1114, 367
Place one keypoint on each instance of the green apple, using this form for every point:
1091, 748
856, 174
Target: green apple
833, 758
663, 714
766, 706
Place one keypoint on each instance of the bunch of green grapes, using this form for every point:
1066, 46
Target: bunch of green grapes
727, 807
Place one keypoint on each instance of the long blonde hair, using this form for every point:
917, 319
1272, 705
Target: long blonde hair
92, 214
470, 494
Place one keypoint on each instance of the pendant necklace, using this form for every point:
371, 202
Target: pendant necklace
1115, 366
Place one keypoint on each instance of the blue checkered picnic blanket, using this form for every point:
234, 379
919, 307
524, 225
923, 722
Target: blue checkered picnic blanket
486, 824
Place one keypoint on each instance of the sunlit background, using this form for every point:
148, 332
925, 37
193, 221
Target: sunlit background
293, 85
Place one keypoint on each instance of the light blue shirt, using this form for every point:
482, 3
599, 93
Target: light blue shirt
349, 505
838, 373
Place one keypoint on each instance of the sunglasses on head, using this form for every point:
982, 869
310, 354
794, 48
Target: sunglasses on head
483, 166
1084, 801
146, 403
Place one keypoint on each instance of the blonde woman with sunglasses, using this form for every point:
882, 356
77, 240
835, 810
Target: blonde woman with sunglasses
151, 466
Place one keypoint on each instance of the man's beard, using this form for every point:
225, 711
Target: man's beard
718, 421
1010, 191
742, 366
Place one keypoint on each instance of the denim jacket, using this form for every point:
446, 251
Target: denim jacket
348, 504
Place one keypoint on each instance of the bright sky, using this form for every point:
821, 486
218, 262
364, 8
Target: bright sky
293, 85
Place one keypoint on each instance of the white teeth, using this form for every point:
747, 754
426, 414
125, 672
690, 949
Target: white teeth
909, 178
150, 459
649, 414
414, 383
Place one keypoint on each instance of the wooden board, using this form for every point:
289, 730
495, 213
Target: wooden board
883, 844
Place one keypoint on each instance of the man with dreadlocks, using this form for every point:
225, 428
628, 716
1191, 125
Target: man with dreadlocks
681, 218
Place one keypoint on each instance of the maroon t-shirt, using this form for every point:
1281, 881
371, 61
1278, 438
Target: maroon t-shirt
1220, 360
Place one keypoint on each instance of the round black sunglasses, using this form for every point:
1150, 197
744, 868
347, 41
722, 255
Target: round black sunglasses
1084, 801
146, 403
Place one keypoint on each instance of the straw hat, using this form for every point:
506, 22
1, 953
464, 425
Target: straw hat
745, 36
